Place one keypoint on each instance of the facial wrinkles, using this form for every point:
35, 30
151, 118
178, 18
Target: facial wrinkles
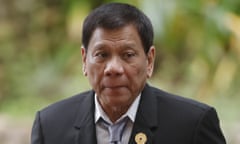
114, 42
117, 36
113, 38
123, 44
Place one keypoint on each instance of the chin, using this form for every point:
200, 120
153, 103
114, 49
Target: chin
119, 101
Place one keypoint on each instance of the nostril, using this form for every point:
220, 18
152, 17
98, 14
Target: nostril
113, 69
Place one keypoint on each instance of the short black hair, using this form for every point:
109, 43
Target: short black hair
117, 15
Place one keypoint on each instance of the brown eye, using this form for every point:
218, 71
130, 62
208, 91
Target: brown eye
129, 55
101, 55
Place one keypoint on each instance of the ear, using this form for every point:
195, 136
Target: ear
151, 59
84, 57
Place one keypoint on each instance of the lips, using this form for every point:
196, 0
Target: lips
114, 86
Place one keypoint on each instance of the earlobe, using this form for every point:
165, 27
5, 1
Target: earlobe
84, 72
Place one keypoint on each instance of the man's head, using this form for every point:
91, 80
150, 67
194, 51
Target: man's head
117, 15
116, 58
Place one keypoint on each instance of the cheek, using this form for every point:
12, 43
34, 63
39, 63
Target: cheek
137, 74
139, 70
94, 74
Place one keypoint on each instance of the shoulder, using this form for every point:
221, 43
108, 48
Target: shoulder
178, 103
181, 117
67, 106
181, 111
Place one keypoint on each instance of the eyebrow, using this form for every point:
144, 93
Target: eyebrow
126, 45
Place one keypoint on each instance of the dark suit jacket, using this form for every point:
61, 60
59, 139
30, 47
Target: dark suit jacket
163, 117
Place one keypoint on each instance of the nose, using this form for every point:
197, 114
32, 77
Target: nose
114, 67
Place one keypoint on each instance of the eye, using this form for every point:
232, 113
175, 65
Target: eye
101, 55
128, 55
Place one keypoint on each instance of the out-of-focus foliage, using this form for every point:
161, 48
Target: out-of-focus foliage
198, 51
198, 46
39, 54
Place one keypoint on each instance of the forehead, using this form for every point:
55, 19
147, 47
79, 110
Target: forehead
124, 35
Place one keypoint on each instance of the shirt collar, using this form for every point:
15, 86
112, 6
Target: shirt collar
131, 113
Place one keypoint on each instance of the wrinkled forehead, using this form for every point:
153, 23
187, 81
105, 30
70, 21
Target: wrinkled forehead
126, 35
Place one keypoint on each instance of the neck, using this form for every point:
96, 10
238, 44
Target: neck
114, 113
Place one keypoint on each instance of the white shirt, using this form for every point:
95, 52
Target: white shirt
103, 134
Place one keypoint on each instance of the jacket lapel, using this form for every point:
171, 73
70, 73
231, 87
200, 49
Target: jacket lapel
146, 118
84, 124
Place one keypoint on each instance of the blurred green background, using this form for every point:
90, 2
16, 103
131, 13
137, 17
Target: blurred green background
198, 56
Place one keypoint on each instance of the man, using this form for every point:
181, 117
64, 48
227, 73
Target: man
118, 58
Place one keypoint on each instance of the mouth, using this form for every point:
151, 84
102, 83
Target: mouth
114, 87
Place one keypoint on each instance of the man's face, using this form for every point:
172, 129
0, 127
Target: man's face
117, 66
